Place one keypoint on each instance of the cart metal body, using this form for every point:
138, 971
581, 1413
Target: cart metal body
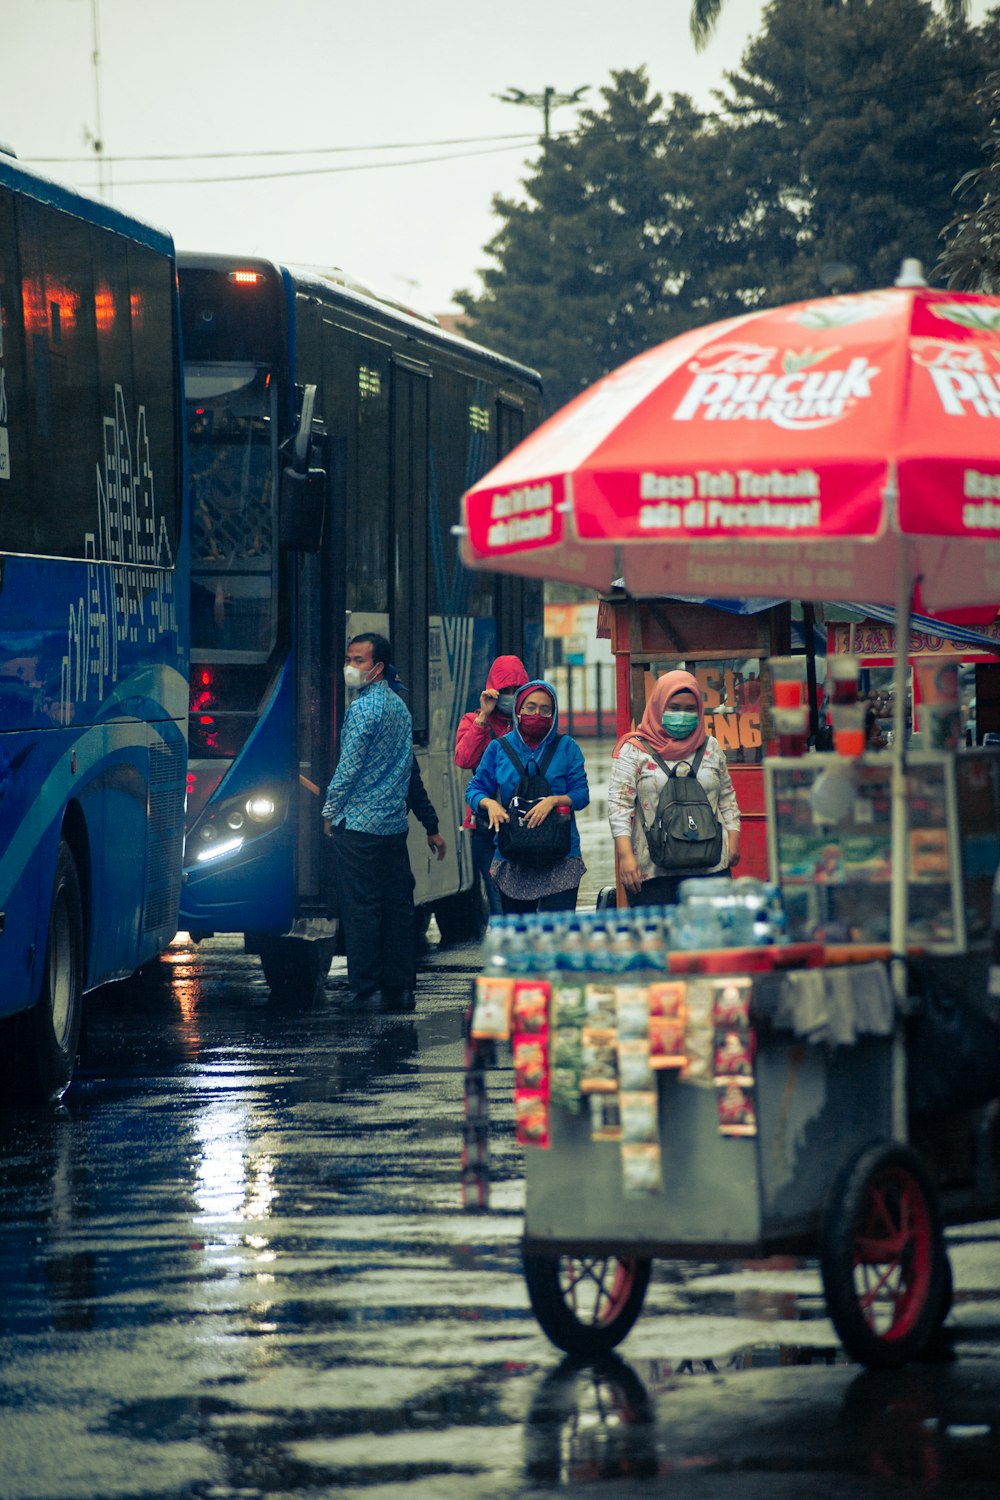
722, 1195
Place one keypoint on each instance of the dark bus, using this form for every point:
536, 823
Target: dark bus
331, 435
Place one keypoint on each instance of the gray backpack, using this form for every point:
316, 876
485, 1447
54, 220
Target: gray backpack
685, 834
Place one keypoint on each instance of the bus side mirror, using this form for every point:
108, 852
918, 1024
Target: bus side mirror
300, 514
300, 519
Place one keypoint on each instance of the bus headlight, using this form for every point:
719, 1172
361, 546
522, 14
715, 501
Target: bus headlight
262, 809
227, 824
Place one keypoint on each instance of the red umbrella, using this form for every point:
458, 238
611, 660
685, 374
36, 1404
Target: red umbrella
835, 442
844, 448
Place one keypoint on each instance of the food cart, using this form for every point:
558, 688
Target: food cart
831, 1151
862, 1116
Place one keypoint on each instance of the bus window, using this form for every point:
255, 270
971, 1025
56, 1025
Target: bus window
410, 411
369, 531
153, 330
62, 405
18, 517
232, 471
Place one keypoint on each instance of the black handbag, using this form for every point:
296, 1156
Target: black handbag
549, 841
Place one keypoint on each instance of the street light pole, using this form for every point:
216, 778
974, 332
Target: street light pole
546, 101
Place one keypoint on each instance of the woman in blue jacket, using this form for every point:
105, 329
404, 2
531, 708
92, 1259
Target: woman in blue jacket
528, 887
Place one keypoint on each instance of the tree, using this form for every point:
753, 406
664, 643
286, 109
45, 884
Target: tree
600, 260
859, 117
830, 159
705, 16
971, 259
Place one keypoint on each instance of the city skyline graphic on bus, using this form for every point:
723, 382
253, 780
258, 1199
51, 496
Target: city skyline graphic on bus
133, 601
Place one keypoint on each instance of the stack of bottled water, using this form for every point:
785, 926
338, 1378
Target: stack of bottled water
590, 942
725, 913
710, 914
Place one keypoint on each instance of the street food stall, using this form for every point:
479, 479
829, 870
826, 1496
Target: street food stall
811, 1063
724, 651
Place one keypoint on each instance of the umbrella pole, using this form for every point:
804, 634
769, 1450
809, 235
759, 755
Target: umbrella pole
899, 910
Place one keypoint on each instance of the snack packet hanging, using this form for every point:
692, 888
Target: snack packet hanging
642, 1168
599, 1060
491, 1008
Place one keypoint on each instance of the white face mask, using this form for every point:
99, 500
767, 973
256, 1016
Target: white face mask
354, 677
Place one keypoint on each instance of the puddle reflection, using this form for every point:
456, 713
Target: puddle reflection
590, 1421
601, 1420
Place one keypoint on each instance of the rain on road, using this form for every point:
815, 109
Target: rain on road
235, 1264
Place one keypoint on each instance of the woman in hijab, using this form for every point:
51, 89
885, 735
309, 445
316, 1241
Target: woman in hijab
674, 726
529, 887
493, 718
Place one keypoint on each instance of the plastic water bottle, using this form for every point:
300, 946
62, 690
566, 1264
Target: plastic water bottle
573, 952
520, 958
543, 944
599, 951
495, 949
654, 942
626, 952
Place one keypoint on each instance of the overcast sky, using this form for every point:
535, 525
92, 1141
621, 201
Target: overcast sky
191, 77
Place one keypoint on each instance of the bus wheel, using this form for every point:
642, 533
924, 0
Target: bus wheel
586, 1304
295, 968
462, 918
50, 1031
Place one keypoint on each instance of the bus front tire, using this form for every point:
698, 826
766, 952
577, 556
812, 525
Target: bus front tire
49, 1033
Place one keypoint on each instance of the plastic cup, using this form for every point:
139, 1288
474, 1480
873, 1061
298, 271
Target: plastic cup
787, 673
787, 693
792, 728
848, 728
842, 678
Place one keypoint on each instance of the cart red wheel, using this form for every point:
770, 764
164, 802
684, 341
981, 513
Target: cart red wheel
586, 1304
882, 1256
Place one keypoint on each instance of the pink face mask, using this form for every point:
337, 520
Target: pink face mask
534, 727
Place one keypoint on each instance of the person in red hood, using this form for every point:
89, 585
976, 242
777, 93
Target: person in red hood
476, 730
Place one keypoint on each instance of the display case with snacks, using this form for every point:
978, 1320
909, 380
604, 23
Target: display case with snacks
830, 833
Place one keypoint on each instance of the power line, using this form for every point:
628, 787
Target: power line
723, 111
462, 140
510, 142
360, 166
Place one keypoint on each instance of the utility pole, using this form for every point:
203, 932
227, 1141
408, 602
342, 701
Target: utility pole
546, 101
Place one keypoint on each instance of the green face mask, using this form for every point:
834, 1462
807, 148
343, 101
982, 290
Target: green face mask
679, 724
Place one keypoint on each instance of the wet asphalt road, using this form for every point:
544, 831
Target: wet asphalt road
236, 1265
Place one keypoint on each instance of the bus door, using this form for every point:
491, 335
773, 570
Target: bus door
410, 632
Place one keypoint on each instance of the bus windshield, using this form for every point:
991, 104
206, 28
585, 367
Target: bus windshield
232, 467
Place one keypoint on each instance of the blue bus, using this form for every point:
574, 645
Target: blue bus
330, 436
93, 612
